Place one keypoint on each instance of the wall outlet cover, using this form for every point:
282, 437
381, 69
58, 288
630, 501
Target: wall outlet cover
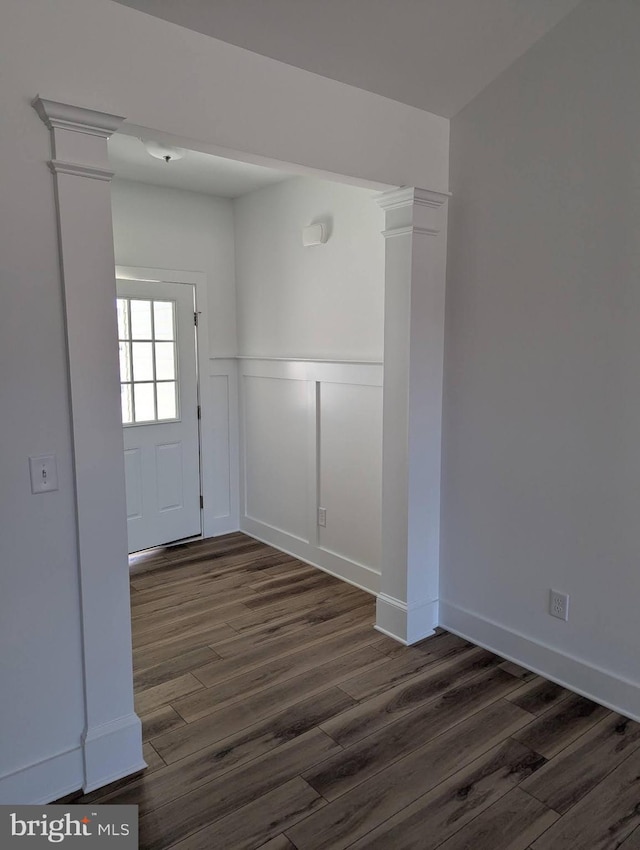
559, 604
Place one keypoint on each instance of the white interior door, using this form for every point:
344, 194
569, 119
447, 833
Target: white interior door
158, 381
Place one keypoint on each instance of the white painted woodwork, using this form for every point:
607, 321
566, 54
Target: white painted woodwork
162, 459
275, 452
350, 470
112, 737
303, 448
221, 441
415, 264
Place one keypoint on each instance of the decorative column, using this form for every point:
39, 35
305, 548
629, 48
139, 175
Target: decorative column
112, 740
415, 265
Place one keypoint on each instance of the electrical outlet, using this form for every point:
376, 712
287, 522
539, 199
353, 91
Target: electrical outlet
559, 605
322, 517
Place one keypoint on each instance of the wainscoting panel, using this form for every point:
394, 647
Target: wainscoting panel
275, 453
311, 437
350, 476
220, 448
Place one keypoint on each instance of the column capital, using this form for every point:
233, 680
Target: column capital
412, 196
413, 211
65, 116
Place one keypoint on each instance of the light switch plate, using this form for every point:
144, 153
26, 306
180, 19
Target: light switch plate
44, 473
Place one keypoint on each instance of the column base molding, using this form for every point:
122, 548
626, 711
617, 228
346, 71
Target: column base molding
112, 751
407, 624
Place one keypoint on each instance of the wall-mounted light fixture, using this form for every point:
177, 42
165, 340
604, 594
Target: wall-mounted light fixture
165, 152
314, 234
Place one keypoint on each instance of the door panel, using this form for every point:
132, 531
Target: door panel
159, 411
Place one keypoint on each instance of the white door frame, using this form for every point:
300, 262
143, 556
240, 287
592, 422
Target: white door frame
414, 340
187, 348
212, 523
199, 281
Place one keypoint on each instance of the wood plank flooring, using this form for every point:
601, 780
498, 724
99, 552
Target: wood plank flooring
276, 718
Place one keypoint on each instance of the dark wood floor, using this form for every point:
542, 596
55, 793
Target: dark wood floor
275, 717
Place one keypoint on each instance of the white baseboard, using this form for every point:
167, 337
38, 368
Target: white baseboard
44, 781
363, 577
406, 623
111, 751
614, 692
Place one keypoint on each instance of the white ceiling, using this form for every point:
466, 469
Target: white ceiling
196, 171
433, 54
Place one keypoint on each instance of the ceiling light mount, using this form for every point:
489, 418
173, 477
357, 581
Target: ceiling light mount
162, 151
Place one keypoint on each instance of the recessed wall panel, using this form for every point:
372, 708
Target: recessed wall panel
350, 471
220, 445
276, 453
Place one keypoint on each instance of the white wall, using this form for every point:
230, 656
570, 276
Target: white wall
158, 227
542, 400
98, 54
319, 302
312, 432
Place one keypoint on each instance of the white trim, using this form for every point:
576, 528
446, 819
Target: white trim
615, 692
44, 781
57, 166
65, 116
410, 230
85, 235
379, 628
415, 281
294, 359
406, 623
327, 372
215, 523
353, 573
110, 751
412, 196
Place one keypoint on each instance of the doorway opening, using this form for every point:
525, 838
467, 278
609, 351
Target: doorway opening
290, 353
160, 405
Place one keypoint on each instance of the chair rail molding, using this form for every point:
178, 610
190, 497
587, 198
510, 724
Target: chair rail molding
415, 267
112, 738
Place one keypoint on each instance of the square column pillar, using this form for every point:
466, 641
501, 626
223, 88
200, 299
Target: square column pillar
112, 739
415, 266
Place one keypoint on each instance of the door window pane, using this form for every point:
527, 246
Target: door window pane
125, 361
148, 360
165, 361
142, 361
166, 400
127, 403
140, 319
123, 318
163, 319
144, 402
